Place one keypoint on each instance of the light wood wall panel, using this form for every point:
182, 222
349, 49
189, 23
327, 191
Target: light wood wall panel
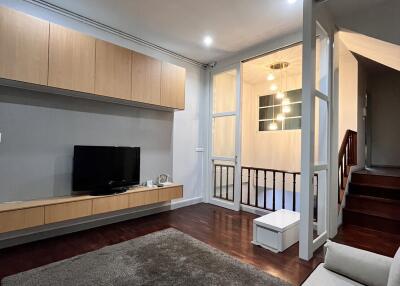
71, 59
20, 219
23, 47
113, 71
66, 211
170, 194
146, 79
173, 86
110, 203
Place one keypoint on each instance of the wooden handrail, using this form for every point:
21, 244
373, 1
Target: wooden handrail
347, 158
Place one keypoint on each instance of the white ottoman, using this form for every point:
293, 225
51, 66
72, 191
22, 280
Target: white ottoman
276, 231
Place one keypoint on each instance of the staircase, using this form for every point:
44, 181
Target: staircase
373, 200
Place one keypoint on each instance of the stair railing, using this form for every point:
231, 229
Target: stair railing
347, 158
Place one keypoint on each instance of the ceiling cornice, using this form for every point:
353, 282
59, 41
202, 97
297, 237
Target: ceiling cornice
109, 29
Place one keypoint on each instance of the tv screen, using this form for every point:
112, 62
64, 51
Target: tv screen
103, 169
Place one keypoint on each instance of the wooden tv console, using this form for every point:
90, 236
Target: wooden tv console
26, 214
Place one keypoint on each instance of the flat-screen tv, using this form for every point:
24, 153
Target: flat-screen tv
104, 169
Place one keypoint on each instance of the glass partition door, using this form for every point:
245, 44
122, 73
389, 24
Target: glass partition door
225, 133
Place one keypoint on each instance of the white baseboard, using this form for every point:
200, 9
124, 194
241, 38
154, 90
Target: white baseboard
254, 210
57, 229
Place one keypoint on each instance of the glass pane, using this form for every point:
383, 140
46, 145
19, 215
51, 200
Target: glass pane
266, 113
292, 123
294, 95
294, 110
321, 132
320, 185
322, 61
223, 180
224, 92
266, 100
268, 125
223, 134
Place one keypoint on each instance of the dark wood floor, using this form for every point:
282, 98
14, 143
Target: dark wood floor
226, 230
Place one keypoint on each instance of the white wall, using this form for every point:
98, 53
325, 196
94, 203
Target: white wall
268, 149
348, 91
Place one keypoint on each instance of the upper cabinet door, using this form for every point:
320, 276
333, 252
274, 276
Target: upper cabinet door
146, 79
23, 47
173, 86
113, 70
71, 59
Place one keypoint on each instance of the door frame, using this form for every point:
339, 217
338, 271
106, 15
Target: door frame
235, 205
307, 244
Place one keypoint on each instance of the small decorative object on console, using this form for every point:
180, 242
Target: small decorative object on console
163, 180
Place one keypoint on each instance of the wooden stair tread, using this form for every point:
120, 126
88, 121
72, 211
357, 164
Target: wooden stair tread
372, 198
369, 185
372, 213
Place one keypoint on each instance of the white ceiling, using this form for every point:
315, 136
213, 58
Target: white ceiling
340, 8
180, 25
256, 71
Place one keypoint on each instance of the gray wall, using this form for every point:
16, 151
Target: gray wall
361, 122
384, 118
39, 131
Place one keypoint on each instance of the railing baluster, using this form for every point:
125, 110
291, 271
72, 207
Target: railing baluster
248, 186
220, 181
241, 185
283, 190
233, 183
256, 203
227, 183
215, 181
273, 190
316, 187
294, 192
265, 189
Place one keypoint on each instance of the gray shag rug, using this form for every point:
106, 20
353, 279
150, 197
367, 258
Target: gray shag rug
167, 257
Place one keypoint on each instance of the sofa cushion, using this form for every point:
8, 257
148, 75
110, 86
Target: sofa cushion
362, 266
394, 274
325, 277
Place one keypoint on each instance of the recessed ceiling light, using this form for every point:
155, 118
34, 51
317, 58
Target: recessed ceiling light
207, 40
273, 87
291, 1
270, 77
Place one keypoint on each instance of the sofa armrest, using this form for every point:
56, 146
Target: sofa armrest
363, 266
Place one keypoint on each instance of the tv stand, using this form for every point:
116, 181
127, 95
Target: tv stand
27, 214
107, 192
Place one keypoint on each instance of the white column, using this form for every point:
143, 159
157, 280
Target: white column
334, 145
307, 134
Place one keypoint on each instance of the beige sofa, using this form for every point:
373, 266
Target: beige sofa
345, 265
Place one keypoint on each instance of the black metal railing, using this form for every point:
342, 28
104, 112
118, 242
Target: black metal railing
224, 182
268, 189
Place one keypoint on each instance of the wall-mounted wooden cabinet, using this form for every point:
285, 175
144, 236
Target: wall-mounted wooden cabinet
23, 47
113, 70
39, 52
20, 215
146, 79
110, 204
173, 86
21, 218
68, 210
71, 59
